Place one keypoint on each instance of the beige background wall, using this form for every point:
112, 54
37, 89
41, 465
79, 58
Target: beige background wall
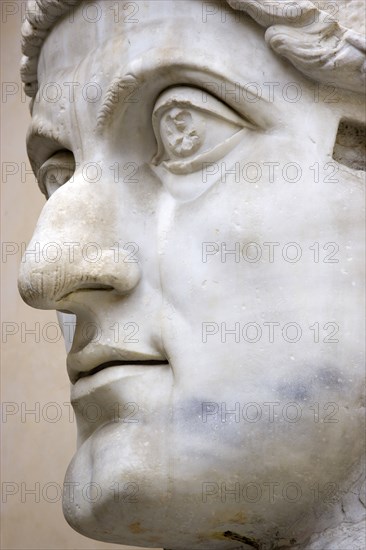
35, 448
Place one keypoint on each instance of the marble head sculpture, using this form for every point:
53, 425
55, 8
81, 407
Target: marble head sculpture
203, 165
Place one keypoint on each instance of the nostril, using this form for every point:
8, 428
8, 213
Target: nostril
94, 286
99, 286
85, 287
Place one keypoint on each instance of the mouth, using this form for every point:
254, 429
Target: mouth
119, 392
107, 364
94, 358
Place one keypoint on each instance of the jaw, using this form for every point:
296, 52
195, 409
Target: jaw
172, 481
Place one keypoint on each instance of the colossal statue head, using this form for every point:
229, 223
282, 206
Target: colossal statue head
203, 164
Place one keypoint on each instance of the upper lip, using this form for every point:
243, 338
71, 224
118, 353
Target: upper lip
96, 357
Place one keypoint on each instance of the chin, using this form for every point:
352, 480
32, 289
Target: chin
116, 487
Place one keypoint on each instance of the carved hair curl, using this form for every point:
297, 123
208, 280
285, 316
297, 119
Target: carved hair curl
311, 39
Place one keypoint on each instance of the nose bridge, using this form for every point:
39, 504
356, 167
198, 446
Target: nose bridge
77, 245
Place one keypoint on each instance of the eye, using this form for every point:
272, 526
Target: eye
56, 171
192, 127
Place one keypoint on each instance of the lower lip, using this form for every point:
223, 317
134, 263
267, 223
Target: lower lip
108, 376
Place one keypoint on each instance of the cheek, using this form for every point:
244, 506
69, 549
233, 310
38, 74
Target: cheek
214, 257
230, 257
201, 285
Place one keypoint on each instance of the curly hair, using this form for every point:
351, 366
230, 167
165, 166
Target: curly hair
310, 38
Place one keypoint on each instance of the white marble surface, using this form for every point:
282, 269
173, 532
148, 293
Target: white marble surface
164, 144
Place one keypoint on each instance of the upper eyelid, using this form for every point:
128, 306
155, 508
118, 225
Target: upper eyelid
211, 105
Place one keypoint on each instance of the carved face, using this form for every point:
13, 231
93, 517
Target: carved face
208, 245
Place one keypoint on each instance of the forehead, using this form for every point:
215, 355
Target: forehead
98, 39
142, 24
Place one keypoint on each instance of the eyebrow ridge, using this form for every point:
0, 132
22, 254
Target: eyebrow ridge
121, 87
124, 85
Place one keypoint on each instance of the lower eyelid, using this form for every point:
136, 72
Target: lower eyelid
51, 188
63, 161
214, 154
51, 184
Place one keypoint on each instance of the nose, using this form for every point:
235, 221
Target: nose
43, 284
73, 250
